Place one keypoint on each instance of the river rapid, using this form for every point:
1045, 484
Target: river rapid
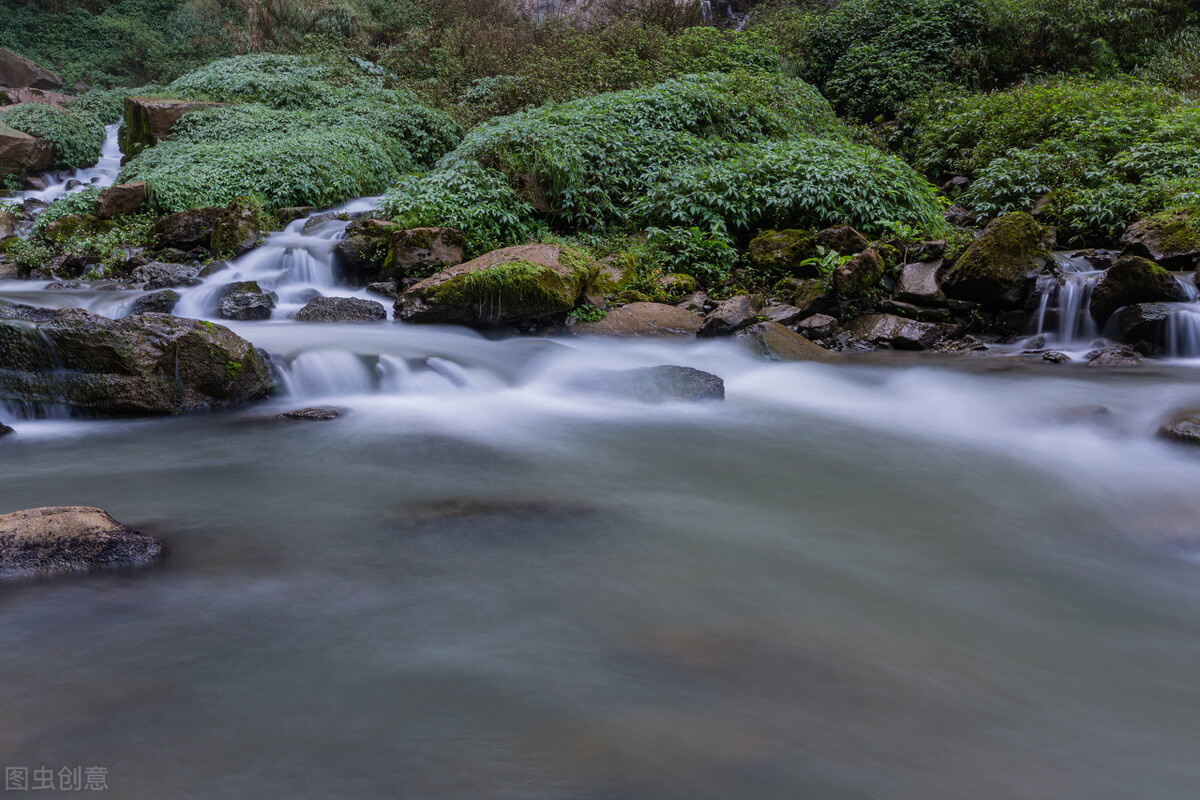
901, 576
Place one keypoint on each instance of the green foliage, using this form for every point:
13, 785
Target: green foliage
77, 136
588, 314
74, 204
295, 140
107, 104
707, 256
679, 154
1176, 64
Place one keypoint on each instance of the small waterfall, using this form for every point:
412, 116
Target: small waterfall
1182, 332
327, 373
103, 174
1067, 300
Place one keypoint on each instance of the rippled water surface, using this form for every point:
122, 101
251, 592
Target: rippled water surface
897, 578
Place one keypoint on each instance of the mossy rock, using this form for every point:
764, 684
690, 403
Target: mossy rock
858, 276
1173, 241
239, 228
784, 253
68, 227
677, 285
1132, 280
513, 286
998, 270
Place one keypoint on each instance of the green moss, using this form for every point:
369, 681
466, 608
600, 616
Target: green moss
1180, 233
994, 268
783, 252
516, 286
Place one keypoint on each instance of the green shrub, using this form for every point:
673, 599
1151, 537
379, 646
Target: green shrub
74, 204
77, 136
1177, 62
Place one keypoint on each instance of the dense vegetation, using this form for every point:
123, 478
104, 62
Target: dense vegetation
77, 135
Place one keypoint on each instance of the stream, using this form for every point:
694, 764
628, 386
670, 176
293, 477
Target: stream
904, 577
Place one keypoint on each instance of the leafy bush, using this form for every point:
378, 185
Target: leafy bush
77, 136
723, 153
707, 256
1177, 62
74, 204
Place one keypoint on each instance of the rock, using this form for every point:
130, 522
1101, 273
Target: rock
317, 220
363, 249
386, 289
782, 313
818, 326
1143, 322
1183, 426
161, 275
642, 319
212, 268
516, 285
1170, 242
63, 539
1113, 356
245, 300
919, 283
9, 224
286, 216
696, 302
730, 315
123, 198
842, 239
143, 364
857, 276
19, 72
323, 414
163, 302
58, 286
5, 430
1055, 357
676, 285
341, 309
809, 295
895, 332
422, 248
959, 216
772, 341
999, 269
775, 252
71, 225
21, 153
16, 97
149, 121
1131, 280
186, 230
655, 384
238, 229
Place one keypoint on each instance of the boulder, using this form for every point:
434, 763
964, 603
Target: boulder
341, 309
818, 326
696, 302
21, 153
186, 230
842, 239
64, 228
774, 252
642, 319
1113, 356
422, 248
64, 539
919, 283
810, 295
149, 121
143, 364
1131, 280
1143, 322
124, 198
163, 302
162, 275
238, 228
1171, 242
245, 300
19, 72
772, 341
9, 224
286, 216
858, 276
1183, 426
730, 315
513, 286
895, 332
783, 314
316, 220
676, 285
655, 384
16, 97
363, 249
999, 269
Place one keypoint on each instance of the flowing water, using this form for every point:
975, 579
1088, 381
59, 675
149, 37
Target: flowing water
899, 577
104, 173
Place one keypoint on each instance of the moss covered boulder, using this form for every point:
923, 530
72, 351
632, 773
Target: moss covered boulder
514, 286
148, 121
64, 228
858, 276
784, 253
842, 239
1132, 280
999, 269
239, 228
1172, 242
375, 250
138, 365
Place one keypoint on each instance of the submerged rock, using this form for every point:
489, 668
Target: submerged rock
5, 430
772, 341
516, 285
999, 269
1143, 322
341, 309
655, 384
65, 539
245, 300
1183, 426
1131, 280
642, 319
896, 332
1113, 356
138, 365
316, 414
731, 315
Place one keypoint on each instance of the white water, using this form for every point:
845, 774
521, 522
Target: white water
1067, 303
103, 174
